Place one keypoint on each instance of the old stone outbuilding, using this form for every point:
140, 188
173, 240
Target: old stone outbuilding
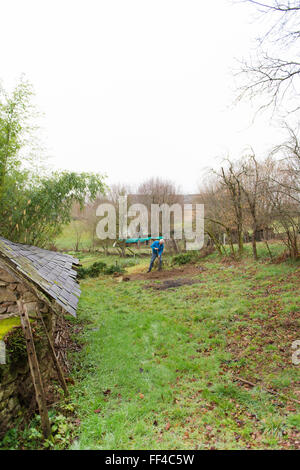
38, 289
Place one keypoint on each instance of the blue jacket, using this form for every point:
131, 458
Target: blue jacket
158, 245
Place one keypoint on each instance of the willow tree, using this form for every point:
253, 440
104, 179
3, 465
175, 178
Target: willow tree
34, 205
15, 113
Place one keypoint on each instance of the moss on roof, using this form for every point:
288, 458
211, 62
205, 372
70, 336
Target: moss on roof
51, 271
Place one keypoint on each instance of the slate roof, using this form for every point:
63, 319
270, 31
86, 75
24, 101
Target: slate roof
53, 272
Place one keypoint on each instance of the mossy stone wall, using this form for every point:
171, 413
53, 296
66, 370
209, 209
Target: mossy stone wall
16, 389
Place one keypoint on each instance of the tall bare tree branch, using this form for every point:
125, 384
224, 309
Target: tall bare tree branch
273, 75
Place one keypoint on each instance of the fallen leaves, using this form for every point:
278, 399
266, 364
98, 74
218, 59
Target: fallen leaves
70, 380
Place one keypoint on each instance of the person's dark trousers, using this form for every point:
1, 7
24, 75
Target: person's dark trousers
153, 258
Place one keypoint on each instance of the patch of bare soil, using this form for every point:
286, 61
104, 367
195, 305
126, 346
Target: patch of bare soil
169, 284
188, 270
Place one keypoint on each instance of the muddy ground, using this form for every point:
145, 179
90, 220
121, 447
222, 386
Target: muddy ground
189, 271
172, 283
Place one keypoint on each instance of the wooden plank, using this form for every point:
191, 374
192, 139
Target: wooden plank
35, 369
59, 371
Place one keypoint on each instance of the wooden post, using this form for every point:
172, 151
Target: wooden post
34, 369
59, 371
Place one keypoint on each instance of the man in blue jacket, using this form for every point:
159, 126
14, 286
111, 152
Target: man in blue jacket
157, 249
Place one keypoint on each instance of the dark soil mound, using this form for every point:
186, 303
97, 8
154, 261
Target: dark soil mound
172, 283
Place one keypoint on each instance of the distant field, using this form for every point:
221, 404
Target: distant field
67, 240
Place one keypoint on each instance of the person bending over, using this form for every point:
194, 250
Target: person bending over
157, 249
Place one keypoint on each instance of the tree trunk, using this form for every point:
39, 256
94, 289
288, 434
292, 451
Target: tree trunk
175, 246
230, 243
268, 248
240, 240
254, 249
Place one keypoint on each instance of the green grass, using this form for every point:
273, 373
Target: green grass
67, 239
157, 367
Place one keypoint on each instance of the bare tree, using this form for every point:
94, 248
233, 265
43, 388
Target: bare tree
286, 219
78, 228
274, 73
161, 191
254, 184
219, 215
289, 154
251, 188
91, 220
115, 192
284, 191
231, 179
258, 196
237, 202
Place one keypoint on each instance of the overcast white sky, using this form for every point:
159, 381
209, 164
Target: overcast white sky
135, 88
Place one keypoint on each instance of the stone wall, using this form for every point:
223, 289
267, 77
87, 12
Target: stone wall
16, 388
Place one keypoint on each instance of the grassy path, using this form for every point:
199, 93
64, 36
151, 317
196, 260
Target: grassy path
156, 370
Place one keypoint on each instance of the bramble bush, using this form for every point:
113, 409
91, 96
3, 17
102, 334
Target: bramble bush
97, 268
